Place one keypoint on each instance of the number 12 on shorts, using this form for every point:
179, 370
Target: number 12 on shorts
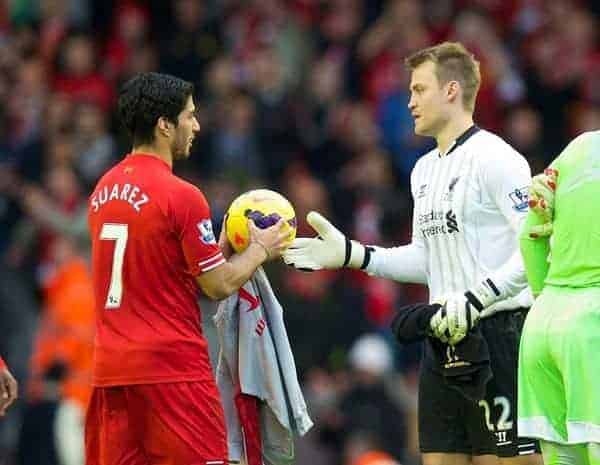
118, 233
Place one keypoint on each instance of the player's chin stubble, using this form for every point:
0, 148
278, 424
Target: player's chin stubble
181, 151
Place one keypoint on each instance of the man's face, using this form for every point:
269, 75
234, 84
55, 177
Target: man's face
185, 132
428, 101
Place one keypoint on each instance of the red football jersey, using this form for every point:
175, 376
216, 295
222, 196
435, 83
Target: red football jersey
151, 235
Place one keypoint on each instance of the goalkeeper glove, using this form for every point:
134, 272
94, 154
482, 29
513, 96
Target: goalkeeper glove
461, 312
331, 249
541, 201
452, 322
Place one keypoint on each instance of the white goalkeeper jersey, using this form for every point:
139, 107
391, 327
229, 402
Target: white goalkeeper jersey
468, 208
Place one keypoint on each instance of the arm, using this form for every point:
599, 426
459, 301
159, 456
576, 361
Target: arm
406, 263
412, 323
8, 388
74, 226
535, 253
46, 213
227, 278
216, 276
534, 239
510, 278
507, 177
331, 249
449, 322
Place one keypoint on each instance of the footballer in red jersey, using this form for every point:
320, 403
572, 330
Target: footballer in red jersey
155, 400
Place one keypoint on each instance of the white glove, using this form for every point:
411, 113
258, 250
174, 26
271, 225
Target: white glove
541, 201
439, 324
454, 320
329, 250
461, 312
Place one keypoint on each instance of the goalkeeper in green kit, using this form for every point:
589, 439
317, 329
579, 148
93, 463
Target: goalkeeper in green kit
559, 360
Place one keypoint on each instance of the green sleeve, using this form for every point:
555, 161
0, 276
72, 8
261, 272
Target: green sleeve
535, 254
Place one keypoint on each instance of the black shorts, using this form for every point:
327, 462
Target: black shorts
449, 422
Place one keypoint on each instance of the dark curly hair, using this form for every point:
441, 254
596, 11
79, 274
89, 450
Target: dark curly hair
147, 97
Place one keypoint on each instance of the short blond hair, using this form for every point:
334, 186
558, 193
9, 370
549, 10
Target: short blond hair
453, 62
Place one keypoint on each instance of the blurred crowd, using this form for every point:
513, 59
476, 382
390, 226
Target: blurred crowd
307, 97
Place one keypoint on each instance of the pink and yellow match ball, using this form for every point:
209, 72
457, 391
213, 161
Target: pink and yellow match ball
265, 207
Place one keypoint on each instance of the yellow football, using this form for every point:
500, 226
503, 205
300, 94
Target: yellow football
265, 207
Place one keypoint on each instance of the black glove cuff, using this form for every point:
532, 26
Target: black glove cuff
348, 252
367, 259
469, 320
473, 301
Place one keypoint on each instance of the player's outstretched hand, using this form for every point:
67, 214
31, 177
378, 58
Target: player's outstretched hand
454, 320
330, 249
8, 390
325, 251
274, 239
541, 201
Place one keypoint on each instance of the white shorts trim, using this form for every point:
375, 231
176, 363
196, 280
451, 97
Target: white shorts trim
579, 432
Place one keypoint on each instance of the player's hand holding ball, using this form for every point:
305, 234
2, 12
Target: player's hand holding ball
274, 239
263, 217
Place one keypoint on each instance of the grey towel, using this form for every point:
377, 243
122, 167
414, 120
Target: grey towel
256, 357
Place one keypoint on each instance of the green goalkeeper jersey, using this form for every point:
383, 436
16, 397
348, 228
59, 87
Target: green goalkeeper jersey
574, 258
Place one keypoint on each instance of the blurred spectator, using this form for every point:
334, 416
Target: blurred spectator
500, 83
397, 131
523, 129
585, 117
26, 101
318, 118
53, 212
362, 448
77, 74
399, 31
367, 406
276, 124
194, 41
234, 142
65, 335
260, 24
93, 146
555, 56
129, 36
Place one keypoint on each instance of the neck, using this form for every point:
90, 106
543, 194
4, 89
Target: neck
163, 153
453, 129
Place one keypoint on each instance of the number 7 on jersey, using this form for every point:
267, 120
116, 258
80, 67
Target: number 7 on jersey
119, 234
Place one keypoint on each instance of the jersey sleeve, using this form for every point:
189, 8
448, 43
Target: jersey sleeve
506, 177
193, 226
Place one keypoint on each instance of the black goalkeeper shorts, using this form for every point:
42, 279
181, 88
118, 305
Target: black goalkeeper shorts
451, 423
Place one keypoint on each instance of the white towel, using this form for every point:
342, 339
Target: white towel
256, 358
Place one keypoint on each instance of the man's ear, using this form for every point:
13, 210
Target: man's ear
452, 90
164, 126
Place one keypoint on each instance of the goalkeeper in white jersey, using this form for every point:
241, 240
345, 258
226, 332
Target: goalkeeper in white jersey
470, 197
